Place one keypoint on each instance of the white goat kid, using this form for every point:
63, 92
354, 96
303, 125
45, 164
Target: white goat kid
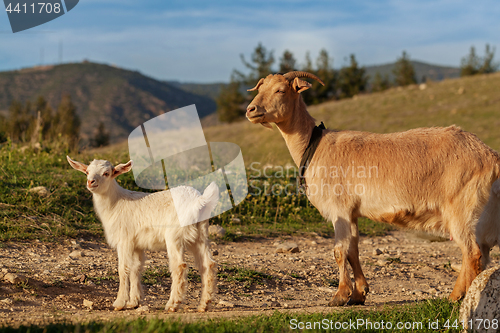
136, 221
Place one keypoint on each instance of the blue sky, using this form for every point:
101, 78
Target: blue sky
201, 41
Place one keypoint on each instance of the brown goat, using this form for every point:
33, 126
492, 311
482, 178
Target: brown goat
430, 179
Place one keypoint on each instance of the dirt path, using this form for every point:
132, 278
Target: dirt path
53, 285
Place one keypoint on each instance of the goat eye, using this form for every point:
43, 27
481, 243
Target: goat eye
106, 174
280, 92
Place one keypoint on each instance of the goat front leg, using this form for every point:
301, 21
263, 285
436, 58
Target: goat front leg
178, 272
136, 293
125, 258
342, 244
360, 285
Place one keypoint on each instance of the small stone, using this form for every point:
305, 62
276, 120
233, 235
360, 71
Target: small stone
235, 220
461, 91
377, 252
264, 305
314, 243
275, 304
6, 301
40, 190
422, 86
80, 278
288, 247
143, 308
216, 230
286, 305
12, 278
383, 262
215, 253
456, 267
88, 304
327, 290
76, 254
226, 304
412, 275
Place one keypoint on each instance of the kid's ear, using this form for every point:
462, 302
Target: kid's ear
122, 168
299, 85
77, 165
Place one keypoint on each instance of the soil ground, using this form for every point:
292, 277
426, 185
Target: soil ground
54, 286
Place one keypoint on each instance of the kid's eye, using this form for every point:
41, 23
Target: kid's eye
280, 92
106, 174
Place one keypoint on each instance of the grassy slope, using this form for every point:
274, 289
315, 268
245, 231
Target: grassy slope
398, 109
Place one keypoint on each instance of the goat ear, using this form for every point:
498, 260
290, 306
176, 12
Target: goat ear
122, 168
77, 165
299, 85
261, 81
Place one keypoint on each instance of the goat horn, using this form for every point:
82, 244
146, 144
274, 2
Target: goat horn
292, 75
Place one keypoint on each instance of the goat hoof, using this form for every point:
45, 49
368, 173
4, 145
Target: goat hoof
118, 308
172, 310
338, 301
355, 302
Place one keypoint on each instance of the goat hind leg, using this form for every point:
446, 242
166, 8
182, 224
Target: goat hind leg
178, 270
208, 272
471, 264
342, 243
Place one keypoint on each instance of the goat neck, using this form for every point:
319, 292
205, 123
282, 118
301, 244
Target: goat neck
296, 130
106, 201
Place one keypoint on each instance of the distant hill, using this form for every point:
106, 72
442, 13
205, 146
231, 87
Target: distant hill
122, 99
210, 90
422, 69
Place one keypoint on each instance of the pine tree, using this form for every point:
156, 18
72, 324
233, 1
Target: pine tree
66, 122
404, 72
101, 138
230, 102
352, 79
470, 63
380, 83
488, 65
287, 62
260, 66
20, 121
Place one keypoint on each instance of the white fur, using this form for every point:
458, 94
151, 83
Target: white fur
136, 221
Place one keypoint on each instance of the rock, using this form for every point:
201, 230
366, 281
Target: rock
461, 91
12, 278
275, 304
6, 301
76, 254
456, 267
226, 304
143, 308
422, 86
215, 253
482, 300
216, 230
328, 290
287, 247
40, 190
80, 278
383, 262
88, 304
377, 252
235, 220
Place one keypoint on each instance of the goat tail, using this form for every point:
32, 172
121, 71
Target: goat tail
208, 200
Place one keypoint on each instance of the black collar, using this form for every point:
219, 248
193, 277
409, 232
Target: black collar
310, 150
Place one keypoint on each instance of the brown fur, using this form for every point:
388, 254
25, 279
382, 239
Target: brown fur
431, 179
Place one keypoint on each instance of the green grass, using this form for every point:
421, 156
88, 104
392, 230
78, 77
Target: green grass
437, 311
244, 276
